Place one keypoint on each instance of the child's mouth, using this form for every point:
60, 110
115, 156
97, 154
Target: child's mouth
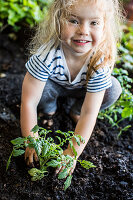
81, 42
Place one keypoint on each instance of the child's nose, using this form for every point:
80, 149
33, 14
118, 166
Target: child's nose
84, 29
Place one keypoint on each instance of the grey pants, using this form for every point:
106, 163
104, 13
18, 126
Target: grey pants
74, 98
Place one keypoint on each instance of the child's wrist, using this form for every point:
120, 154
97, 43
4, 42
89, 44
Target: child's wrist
70, 152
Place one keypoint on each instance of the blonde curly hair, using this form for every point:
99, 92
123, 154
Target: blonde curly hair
48, 31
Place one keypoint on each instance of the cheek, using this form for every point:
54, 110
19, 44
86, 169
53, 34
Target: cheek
98, 36
66, 32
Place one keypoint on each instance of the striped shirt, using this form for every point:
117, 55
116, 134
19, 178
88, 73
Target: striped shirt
54, 66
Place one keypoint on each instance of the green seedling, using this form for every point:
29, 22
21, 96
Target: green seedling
123, 108
125, 49
123, 130
49, 153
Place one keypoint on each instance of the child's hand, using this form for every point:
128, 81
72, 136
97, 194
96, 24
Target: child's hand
67, 152
30, 157
58, 170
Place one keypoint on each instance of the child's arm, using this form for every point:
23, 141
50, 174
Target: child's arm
31, 93
86, 122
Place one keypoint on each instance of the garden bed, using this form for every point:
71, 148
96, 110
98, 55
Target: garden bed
111, 179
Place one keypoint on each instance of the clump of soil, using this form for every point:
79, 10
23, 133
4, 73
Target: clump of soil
112, 179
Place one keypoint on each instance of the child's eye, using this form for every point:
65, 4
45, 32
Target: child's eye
73, 21
94, 23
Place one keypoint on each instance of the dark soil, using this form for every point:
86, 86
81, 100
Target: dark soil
112, 179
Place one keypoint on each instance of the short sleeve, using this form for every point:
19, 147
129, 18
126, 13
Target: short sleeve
37, 68
100, 80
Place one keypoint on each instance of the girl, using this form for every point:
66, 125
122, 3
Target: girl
74, 51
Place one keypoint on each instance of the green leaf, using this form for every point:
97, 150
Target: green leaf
8, 162
115, 71
45, 149
74, 151
35, 171
35, 129
58, 131
18, 140
124, 50
44, 169
18, 152
125, 103
122, 130
129, 58
67, 182
53, 163
43, 132
12, 17
72, 147
37, 174
86, 164
58, 138
77, 140
30, 145
38, 149
118, 136
63, 174
68, 157
17, 9
36, 178
127, 112
81, 138
126, 128
71, 133
32, 140
71, 143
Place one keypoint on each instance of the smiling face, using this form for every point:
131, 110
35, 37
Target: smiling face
83, 29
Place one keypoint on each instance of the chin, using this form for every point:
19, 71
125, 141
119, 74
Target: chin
83, 51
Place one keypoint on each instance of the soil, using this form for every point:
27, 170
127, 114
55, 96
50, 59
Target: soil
112, 179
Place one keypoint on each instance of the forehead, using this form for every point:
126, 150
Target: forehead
88, 9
